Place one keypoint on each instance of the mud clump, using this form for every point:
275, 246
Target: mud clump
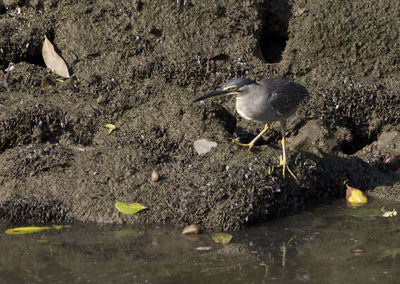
138, 65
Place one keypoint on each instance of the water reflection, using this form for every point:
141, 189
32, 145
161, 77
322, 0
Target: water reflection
320, 246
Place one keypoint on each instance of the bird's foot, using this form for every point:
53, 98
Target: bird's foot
283, 164
249, 145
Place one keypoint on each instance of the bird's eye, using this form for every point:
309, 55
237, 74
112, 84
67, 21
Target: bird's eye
233, 88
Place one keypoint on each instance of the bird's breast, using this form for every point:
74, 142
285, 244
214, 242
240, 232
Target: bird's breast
255, 108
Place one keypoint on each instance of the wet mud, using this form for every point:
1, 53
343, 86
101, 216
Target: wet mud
139, 65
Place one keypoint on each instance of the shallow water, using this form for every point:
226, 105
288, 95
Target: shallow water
323, 245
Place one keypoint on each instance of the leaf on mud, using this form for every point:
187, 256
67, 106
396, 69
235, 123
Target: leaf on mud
67, 83
222, 238
44, 84
355, 197
111, 127
203, 146
129, 208
52, 60
191, 229
30, 230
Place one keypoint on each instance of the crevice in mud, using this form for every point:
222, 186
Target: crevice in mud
2, 9
273, 33
33, 53
359, 141
34, 56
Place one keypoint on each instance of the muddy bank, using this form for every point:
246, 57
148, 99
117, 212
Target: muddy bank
139, 64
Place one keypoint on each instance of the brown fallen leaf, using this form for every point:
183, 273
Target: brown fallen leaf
52, 60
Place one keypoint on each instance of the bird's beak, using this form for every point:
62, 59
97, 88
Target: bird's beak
217, 92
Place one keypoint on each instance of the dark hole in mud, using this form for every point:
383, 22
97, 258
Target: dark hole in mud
358, 143
274, 30
272, 45
156, 32
220, 57
34, 56
34, 52
2, 9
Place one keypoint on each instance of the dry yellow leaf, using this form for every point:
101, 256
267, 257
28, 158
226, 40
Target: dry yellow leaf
111, 127
44, 84
32, 229
52, 60
355, 197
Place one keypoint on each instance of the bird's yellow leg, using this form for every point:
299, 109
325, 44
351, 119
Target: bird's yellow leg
251, 144
283, 161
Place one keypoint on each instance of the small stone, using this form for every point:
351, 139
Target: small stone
155, 176
191, 229
203, 249
203, 146
101, 99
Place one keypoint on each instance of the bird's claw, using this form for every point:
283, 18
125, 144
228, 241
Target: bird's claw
284, 166
249, 145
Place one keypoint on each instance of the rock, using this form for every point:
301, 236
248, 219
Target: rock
191, 229
203, 146
313, 134
388, 143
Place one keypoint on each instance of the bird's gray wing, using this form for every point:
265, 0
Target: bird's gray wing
286, 95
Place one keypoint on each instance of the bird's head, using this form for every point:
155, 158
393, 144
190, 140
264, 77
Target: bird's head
233, 87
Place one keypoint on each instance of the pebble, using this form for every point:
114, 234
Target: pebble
155, 176
191, 229
203, 249
203, 146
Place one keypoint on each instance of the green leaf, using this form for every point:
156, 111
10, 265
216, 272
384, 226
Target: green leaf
129, 208
222, 238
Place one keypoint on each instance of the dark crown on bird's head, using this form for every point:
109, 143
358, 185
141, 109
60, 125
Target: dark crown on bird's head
238, 83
